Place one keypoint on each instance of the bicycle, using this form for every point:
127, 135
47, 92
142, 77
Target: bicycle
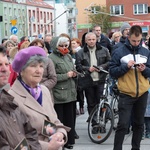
114, 104
101, 119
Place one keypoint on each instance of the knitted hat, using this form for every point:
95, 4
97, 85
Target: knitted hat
23, 56
124, 26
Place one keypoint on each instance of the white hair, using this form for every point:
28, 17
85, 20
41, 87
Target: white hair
89, 34
63, 40
12, 36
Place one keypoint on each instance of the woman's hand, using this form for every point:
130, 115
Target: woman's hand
56, 141
71, 74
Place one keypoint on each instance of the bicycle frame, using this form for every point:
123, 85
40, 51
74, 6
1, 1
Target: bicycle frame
101, 119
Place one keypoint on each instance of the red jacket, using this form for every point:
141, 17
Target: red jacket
13, 76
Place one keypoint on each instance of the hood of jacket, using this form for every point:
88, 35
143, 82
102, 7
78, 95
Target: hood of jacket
54, 43
123, 39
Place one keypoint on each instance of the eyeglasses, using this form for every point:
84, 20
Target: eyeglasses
117, 37
63, 45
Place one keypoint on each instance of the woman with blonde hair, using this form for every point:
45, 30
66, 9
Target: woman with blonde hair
116, 37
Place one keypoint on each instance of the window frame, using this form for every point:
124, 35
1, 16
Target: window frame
145, 10
120, 10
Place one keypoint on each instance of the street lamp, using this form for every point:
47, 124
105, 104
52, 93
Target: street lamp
87, 9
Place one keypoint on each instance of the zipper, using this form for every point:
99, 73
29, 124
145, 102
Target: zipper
136, 76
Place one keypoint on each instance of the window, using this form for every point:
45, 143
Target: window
117, 9
5, 10
41, 16
47, 15
34, 28
6, 27
140, 9
51, 16
15, 12
10, 11
33, 13
95, 9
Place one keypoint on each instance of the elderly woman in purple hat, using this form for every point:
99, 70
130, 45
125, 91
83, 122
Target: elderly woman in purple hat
35, 99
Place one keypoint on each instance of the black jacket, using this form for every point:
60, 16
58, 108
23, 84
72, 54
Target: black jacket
83, 60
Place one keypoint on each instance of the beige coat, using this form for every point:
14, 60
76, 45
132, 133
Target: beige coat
37, 113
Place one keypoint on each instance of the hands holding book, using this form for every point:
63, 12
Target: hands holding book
56, 141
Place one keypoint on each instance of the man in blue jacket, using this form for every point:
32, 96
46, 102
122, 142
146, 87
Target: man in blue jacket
101, 39
130, 64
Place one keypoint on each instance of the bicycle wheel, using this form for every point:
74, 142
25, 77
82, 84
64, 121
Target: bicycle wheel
114, 107
100, 123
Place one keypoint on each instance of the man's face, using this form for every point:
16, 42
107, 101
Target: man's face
48, 39
135, 41
4, 70
97, 31
91, 40
15, 39
126, 32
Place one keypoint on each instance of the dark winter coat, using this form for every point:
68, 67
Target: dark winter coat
14, 125
83, 60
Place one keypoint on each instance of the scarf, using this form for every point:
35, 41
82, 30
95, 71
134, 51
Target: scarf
63, 51
35, 92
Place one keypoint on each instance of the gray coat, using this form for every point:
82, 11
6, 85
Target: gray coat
49, 77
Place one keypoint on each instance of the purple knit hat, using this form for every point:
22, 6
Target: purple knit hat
23, 56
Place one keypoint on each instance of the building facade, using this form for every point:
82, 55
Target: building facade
65, 15
83, 24
13, 18
134, 12
31, 18
40, 18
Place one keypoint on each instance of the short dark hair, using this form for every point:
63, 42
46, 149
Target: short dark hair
2, 50
136, 30
4, 39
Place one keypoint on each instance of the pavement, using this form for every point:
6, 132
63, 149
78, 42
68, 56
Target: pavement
84, 142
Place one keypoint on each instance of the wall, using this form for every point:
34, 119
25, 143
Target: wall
82, 17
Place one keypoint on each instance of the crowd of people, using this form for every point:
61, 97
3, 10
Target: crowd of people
39, 84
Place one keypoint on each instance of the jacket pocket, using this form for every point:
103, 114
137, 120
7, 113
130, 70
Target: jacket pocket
60, 93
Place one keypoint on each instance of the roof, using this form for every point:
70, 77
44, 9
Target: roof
38, 3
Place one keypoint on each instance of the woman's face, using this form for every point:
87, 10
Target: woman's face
39, 45
74, 44
26, 39
32, 75
63, 45
9, 47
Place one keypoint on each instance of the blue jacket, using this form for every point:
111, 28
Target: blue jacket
130, 81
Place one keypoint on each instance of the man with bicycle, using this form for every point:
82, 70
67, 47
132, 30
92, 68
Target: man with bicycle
93, 54
130, 64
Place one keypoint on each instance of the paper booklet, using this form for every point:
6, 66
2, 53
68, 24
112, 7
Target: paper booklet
48, 128
23, 145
